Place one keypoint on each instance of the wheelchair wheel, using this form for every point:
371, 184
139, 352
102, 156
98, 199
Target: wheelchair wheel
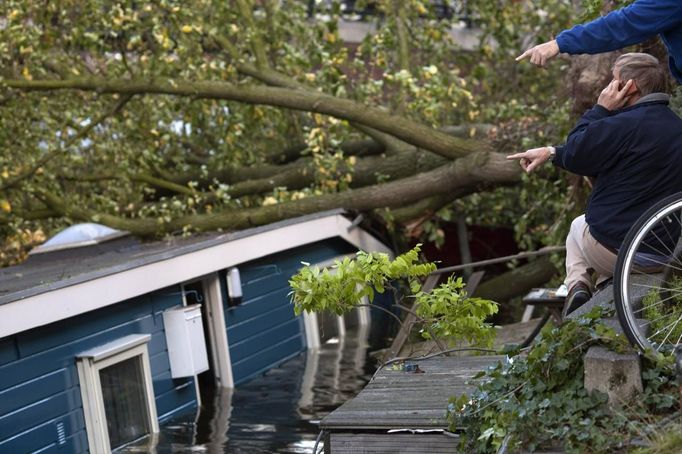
647, 281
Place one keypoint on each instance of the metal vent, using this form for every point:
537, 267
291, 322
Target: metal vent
61, 433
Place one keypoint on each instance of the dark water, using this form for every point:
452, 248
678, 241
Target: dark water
277, 412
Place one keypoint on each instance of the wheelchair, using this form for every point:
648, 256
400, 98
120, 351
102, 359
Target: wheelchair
647, 280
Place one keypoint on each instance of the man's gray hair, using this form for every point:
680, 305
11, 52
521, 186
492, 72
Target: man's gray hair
644, 70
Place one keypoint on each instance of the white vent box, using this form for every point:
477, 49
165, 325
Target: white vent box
185, 340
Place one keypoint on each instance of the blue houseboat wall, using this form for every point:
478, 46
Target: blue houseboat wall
40, 398
68, 315
263, 331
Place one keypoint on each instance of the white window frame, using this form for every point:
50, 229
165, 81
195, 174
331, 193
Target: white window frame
89, 364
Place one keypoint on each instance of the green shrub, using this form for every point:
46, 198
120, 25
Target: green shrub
538, 400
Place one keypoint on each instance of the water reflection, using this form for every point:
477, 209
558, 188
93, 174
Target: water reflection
279, 411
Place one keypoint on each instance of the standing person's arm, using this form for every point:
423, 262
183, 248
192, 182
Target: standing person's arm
633, 24
630, 25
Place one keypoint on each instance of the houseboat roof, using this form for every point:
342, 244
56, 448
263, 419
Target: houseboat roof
56, 285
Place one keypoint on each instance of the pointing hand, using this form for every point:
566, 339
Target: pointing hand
539, 55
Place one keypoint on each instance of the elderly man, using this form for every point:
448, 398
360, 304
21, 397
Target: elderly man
633, 24
631, 142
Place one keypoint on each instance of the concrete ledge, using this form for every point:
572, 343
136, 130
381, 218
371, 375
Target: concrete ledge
604, 297
619, 375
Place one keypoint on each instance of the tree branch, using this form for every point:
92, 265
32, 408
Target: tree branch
29, 215
257, 44
407, 130
160, 183
403, 45
417, 213
470, 171
280, 162
276, 79
139, 177
401, 31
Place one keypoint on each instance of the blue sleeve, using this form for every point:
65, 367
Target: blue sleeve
593, 144
630, 25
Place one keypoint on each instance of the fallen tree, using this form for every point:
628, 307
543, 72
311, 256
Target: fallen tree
225, 115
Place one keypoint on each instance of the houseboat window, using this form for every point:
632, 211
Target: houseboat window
117, 393
124, 401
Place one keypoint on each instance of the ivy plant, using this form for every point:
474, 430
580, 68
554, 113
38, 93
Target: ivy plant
538, 400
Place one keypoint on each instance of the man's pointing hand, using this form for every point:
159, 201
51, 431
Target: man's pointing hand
539, 55
532, 158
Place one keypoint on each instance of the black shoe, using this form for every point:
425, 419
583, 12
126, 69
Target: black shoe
578, 295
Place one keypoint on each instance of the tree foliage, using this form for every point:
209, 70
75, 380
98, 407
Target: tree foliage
445, 312
175, 117
343, 286
452, 314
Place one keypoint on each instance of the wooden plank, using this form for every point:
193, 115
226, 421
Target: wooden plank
398, 399
411, 318
45, 434
473, 281
41, 388
261, 304
268, 358
350, 443
263, 340
34, 415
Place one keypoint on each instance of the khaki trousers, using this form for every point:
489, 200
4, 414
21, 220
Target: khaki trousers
585, 255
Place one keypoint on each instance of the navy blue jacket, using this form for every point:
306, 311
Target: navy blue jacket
633, 24
636, 156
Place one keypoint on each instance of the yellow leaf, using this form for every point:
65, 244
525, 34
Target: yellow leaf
269, 201
5, 206
186, 29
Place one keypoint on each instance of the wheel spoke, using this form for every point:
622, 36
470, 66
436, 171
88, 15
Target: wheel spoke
657, 303
665, 327
679, 339
657, 262
669, 333
653, 287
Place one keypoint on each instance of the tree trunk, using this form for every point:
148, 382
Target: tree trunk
402, 128
469, 172
517, 281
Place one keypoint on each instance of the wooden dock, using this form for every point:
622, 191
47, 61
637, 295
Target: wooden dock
403, 412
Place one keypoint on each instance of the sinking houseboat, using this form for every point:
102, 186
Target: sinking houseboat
104, 337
